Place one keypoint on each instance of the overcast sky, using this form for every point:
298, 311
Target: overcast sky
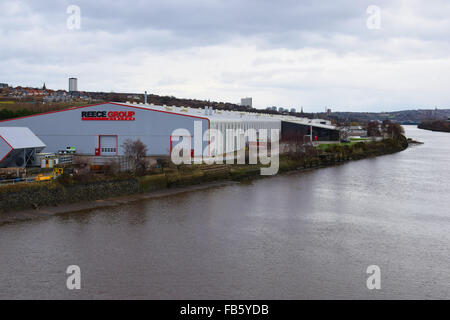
285, 53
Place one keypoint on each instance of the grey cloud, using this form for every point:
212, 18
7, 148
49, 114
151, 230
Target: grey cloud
35, 43
211, 22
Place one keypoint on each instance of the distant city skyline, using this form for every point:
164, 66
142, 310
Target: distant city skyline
337, 54
276, 108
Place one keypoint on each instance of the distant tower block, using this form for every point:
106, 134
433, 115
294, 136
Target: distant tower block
247, 102
73, 84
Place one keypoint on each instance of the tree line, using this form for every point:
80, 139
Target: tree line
10, 114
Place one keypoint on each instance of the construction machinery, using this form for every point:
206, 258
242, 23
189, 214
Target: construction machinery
42, 177
56, 172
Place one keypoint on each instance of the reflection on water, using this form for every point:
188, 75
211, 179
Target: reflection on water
298, 236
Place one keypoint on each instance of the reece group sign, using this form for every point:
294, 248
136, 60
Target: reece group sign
107, 115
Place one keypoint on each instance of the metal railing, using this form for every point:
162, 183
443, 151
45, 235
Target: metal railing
65, 159
123, 162
26, 180
18, 180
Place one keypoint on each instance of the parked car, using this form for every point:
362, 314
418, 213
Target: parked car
68, 150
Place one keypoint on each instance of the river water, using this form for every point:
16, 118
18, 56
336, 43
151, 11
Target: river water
308, 235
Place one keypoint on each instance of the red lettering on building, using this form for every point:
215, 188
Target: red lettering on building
108, 115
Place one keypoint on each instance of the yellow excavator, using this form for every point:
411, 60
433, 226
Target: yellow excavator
56, 172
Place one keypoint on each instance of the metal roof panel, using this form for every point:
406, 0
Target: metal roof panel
20, 137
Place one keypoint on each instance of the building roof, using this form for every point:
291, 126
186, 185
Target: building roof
311, 123
232, 116
20, 138
217, 115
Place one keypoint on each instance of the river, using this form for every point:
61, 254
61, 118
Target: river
308, 235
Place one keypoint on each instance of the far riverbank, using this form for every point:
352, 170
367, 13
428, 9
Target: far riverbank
435, 125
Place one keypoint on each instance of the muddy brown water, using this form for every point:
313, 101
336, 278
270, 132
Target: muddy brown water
308, 235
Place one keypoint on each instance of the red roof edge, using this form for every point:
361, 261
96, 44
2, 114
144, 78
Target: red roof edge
9, 150
99, 104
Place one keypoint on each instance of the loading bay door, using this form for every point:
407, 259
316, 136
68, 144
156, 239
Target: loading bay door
108, 145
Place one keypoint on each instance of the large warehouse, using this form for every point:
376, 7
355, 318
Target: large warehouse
103, 128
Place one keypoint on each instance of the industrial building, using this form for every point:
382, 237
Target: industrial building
103, 128
316, 130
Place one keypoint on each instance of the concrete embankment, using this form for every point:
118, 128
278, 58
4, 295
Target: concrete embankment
67, 190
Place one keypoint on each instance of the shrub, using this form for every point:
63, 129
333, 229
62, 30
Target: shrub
153, 182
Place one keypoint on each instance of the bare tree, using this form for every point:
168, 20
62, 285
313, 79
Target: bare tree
373, 129
135, 151
395, 130
293, 142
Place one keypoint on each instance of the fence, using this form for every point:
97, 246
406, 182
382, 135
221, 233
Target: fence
19, 180
65, 159
123, 163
